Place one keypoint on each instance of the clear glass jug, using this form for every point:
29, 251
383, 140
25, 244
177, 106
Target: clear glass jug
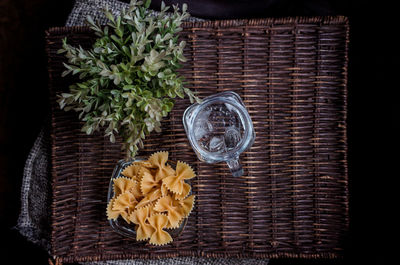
220, 129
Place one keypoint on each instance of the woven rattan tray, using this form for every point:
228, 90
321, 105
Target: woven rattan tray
292, 200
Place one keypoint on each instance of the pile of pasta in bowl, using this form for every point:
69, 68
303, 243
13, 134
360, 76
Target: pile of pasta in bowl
153, 196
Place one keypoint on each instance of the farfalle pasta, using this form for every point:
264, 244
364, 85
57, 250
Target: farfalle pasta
173, 208
132, 171
112, 214
149, 182
123, 184
159, 236
140, 217
152, 196
125, 204
187, 205
159, 161
149, 198
176, 183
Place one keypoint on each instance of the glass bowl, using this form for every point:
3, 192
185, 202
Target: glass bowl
120, 225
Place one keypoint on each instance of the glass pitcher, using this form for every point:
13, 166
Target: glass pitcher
220, 129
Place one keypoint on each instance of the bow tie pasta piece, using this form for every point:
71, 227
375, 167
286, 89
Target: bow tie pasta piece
143, 171
159, 160
159, 237
125, 204
135, 190
139, 217
165, 172
187, 205
174, 209
175, 183
149, 198
132, 171
185, 192
123, 184
111, 214
149, 182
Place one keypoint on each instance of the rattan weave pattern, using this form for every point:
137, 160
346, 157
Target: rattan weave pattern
293, 198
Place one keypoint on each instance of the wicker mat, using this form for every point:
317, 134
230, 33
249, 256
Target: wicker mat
292, 200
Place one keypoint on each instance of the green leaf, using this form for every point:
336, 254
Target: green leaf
116, 39
147, 94
128, 87
147, 77
179, 92
64, 73
123, 66
171, 93
168, 106
126, 51
90, 20
147, 4
82, 85
112, 138
118, 21
119, 32
115, 92
109, 15
67, 66
128, 80
105, 31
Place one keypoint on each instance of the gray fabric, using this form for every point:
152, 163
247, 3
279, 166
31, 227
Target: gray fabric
34, 219
83, 8
185, 261
94, 8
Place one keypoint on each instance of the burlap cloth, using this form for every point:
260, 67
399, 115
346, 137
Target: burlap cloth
34, 219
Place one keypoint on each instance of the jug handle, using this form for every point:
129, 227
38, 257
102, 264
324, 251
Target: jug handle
235, 167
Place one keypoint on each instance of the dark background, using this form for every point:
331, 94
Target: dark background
373, 72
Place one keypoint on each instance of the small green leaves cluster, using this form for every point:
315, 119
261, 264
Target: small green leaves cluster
128, 79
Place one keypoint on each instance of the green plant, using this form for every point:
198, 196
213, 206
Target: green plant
128, 79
